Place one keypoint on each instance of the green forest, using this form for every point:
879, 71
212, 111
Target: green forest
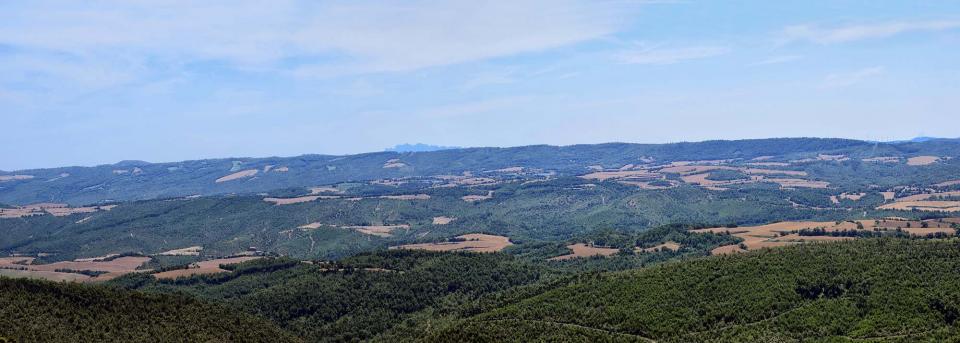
878, 290
885, 289
43, 311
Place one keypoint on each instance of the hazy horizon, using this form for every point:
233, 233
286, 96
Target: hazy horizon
98, 82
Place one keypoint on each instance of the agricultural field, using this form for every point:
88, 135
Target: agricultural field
94, 269
584, 250
788, 233
935, 201
203, 267
470, 242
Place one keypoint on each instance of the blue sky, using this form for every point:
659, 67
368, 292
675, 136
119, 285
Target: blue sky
93, 82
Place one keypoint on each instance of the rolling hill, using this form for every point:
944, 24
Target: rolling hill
137, 180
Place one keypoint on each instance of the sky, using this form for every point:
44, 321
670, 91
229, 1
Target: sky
96, 82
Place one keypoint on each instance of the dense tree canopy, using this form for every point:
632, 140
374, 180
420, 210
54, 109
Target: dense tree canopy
42, 311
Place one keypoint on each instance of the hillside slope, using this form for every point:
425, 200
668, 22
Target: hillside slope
879, 290
356, 298
526, 213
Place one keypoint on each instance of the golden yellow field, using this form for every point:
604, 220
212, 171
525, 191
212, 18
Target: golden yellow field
238, 175
922, 160
784, 233
204, 267
49, 276
924, 202
475, 242
442, 220
112, 266
583, 250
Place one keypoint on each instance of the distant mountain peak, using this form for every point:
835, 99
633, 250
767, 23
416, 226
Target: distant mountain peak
419, 147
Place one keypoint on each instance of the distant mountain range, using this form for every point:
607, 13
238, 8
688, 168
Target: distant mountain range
137, 180
419, 147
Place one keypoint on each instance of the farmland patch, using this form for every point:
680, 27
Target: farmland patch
922, 160
204, 267
238, 175
584, 250
475, 242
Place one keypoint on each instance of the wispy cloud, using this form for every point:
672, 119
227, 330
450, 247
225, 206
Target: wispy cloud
363, 36
778, 60
840, 80
500, 77
656, 55
841, 34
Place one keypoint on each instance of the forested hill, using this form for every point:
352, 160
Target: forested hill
137, 180
43, 311
886, 290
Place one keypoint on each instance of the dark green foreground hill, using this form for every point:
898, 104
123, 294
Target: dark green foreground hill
41, 311
356, 298
886, 290
869, 290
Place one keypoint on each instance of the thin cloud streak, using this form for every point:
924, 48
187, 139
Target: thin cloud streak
841, 80
658, 56
778, 60
821, 35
